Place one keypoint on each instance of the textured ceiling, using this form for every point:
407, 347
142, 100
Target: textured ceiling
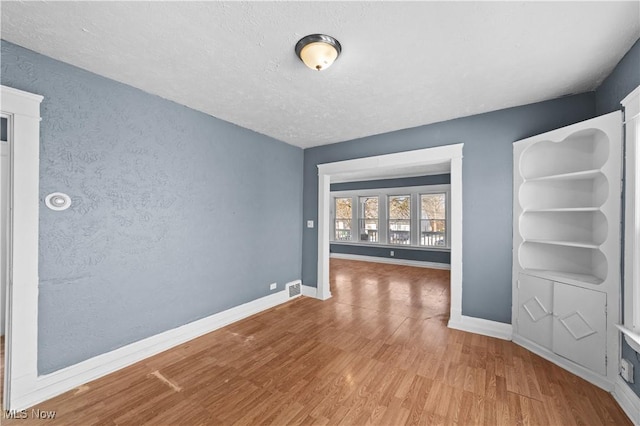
402, 65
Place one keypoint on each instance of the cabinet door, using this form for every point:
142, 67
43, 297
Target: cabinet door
579, 329
535, 304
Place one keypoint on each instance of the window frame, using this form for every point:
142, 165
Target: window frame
409, 195
334, 219
361, 215
446, 220
383, 195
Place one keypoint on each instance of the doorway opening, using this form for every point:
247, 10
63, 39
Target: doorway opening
398, 165
390, 244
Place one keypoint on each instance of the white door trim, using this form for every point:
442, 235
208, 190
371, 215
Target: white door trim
21, 339
411, 161
4, 221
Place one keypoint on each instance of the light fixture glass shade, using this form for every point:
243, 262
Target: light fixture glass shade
318, 51
318, 55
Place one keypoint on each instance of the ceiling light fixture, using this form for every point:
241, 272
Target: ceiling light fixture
318, 51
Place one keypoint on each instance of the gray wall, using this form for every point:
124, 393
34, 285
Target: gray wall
442, 179
487, 189
437, 256
624, 78
398, 253
176, 215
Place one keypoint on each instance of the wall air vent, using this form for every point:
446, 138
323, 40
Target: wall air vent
294, 288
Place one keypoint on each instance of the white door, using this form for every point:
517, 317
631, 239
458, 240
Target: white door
535, 309
580, 326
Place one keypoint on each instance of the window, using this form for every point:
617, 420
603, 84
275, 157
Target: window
343, 214
433, 220
413, 216
368, 222
400, 219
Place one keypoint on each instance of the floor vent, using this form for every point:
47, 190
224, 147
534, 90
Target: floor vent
294, 288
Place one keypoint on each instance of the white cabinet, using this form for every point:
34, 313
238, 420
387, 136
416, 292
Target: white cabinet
566, 245
580, 326
569, 321
535, 304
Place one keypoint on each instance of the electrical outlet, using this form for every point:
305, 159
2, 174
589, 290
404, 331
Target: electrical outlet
392, 253
626, 370
273, 286
309, 224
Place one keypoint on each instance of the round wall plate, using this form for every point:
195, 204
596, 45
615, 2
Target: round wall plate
58, 201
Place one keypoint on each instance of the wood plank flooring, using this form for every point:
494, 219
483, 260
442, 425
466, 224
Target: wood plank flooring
378, 352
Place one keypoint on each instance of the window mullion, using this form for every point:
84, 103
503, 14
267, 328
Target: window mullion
415, 219
355, 226
383, 218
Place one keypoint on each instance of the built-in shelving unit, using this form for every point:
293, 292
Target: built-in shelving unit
566, 243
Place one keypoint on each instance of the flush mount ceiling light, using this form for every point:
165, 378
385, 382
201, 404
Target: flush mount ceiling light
318, 51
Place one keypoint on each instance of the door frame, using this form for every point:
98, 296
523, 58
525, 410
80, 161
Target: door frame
413, 163
21, 327
4, 225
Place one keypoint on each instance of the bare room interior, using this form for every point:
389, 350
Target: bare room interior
320, 212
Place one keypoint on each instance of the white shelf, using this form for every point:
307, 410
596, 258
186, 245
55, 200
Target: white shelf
564, 193
563, 209
583, 174
566, 277
565, 243
586, 229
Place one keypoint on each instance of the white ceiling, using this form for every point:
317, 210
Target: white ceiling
403, 64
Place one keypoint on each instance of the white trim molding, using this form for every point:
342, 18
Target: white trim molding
50, 385
485, 327
21, 339
400, 164
390, 260
631, 280
309, 291
627, 400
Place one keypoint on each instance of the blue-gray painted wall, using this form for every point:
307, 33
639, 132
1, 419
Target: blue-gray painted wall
487, 189
624, 79
398, 253
3, 129
436, 256
442, 179
176, 215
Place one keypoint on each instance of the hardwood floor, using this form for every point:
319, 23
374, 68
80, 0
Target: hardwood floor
378, 352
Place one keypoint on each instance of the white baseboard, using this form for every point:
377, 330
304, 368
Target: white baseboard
485, 327
390, 260
627, 400
601, 381
47, 386
309, 291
